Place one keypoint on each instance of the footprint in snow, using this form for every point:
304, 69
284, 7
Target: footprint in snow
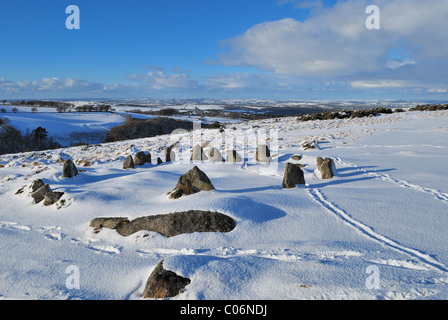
52, 233
14, 225
99, 248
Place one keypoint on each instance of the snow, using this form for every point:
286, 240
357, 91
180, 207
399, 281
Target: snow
66, 128
69, 128
386, 207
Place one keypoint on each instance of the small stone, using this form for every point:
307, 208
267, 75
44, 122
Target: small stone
309, 145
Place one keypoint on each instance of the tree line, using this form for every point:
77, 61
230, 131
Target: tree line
14, 141
60, 106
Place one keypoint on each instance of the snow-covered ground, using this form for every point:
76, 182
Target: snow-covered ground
88, 127
65, 128
377, 230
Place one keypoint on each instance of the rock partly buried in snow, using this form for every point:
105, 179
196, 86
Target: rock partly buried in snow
215, 155
36, 184
192, 182
52, 197
174, 224
39, 194
164, 283
69, 169
198, 154
108, 223
309, 145
296, 157
128, 163
263, 154
233, 156
293, 176
141, 158
326, 167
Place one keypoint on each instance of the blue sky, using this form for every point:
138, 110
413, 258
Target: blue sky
222, 48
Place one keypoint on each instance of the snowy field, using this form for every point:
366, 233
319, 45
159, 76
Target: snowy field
65, 128
377, 230
88, 127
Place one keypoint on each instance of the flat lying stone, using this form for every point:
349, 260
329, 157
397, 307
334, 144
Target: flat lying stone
174, 224
109, 223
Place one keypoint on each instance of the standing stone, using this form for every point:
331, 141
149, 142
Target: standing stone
215, 155
69, 169
164, 283
198, 154
169, 154
293, 176
128, 163
263, 154
192, 182
233, 156
325, 167
141, 158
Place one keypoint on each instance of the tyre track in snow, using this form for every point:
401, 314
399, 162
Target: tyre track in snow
402, 183
318, 196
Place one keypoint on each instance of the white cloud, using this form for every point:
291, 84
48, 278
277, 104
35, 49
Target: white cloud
158, 79
49, 87
237, 80
335, 42
398, 63
304, 4
381, 84
48, 84
434, 90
